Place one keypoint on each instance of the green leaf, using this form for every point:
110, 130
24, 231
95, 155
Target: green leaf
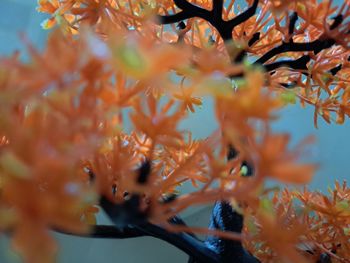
12, 165
251, 225
266, 205
130, 59
244, 170
288, 97
346, 231
343, 205
239, 83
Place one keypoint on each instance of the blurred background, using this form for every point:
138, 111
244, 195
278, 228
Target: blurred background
331, 152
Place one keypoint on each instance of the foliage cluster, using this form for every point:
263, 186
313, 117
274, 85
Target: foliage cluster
65, 149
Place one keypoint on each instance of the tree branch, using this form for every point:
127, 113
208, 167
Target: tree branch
170, 19
240, 57
292, 21
185, 242
217, 9
196, 11
224, 218
106, 231
241, 18
316, 46
185, 5
214, 17
141, 227
299, 63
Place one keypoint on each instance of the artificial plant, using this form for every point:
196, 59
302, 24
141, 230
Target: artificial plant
67, 148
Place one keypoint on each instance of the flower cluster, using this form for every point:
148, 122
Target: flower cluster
317, 224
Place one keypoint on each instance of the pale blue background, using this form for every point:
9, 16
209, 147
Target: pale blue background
332, 152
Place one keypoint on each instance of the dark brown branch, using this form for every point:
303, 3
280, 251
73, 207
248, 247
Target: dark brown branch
292, 21
214, 17
194, 248
106, 231
225, 27
217, 9
170, 19
241, 18
240, 57
185, 5
316, 46
336, 69
254, 39
126, 213
110, 231
119, 214
299, 64
188, 10
337, 20
225, 218
196, 11
144, 172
